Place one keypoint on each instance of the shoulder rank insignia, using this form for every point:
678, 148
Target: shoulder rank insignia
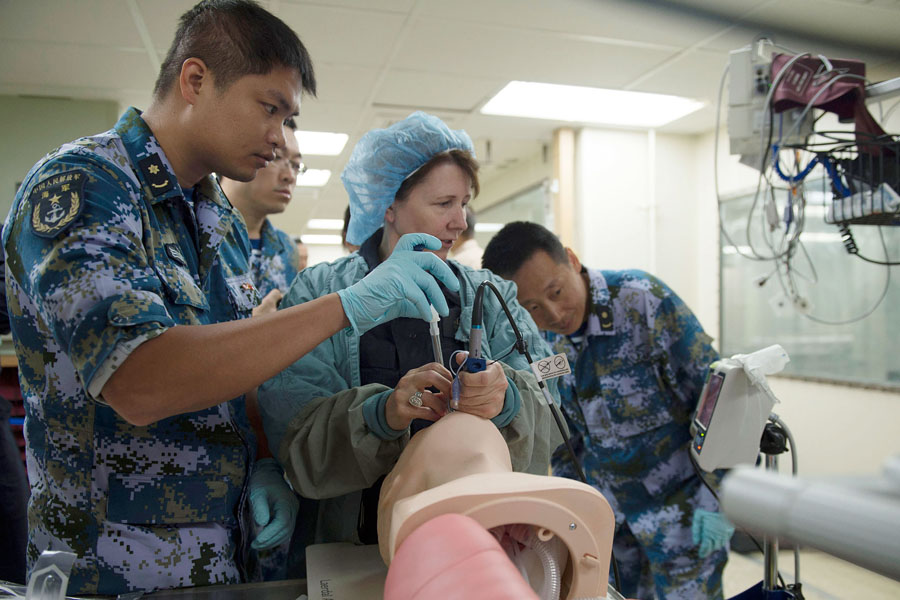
56, 202
605, 315
155, 174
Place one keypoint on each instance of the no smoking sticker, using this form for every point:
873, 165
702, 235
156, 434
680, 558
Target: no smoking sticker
550, 367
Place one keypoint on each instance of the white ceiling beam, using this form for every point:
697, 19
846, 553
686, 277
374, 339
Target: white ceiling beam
141, 27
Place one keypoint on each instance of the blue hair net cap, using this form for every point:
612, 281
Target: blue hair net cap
384, 158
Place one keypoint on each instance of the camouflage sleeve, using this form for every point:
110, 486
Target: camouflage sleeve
532, 435
90, 282
685, 350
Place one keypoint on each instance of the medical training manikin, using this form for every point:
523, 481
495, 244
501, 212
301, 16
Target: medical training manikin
453, 482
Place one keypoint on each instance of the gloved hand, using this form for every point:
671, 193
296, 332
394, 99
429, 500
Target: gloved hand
401, 286
273, 504
711, 530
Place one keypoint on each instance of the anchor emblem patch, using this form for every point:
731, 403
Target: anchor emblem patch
56, 202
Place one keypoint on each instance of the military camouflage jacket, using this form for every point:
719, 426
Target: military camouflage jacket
105, 253
637, 376
277, 261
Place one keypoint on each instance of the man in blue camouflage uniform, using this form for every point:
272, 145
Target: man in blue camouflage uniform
274, 261
639, 359
128, 286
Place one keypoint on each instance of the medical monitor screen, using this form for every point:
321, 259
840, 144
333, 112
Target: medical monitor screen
708, 404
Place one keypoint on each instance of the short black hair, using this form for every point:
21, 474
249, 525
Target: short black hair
234, 38
513, 245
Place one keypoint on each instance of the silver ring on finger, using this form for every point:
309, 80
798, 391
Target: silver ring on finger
416, 399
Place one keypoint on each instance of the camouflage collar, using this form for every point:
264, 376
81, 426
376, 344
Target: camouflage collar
267, 235
600, 320
153, 169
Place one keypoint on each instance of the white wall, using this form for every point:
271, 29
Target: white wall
32, 127
636, 194
511, 180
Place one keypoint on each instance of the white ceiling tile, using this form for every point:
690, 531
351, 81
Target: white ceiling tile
626, 20
482, 52
694, 75
343, 84
424, 90
399, 6
342, 35
75, 66
89, 22
161, 20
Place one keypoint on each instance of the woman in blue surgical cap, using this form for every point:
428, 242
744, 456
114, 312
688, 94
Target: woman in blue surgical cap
338, 418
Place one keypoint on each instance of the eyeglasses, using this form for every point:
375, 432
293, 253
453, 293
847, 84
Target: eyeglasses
296, 167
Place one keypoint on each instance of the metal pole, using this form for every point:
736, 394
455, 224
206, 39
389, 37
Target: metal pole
770, 544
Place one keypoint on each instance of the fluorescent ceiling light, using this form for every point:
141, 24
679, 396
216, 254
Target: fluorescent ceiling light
321, 239
321, 143
488, 227
588, 105
314, 178
335, 224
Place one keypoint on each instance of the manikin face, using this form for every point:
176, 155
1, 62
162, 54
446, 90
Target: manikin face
437, 205
555, 294
270, 191
244, 125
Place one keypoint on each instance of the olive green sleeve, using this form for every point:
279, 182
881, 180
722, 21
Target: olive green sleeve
328, 450
532, 435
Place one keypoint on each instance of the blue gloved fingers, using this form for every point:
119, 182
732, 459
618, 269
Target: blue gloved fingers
697, 527
428, 286
279, 530
411, 240
429, 262
705, 548
259, 506
273, 504
420, 289
711, 530
440, 270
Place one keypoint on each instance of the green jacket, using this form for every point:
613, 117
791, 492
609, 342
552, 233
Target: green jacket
312, 411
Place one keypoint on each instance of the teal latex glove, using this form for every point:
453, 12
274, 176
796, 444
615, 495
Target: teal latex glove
273, 504
711, 530
402, 286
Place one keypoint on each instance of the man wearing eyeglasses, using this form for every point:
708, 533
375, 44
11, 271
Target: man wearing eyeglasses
274, 261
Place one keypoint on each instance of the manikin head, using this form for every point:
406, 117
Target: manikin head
461, 465
232, 77
551, 284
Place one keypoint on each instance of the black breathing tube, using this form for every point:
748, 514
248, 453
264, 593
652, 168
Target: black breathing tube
475, 363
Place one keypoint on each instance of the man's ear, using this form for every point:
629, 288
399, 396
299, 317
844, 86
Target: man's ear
573, 260
195, 78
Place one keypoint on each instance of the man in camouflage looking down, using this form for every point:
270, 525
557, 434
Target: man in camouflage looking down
129, 287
